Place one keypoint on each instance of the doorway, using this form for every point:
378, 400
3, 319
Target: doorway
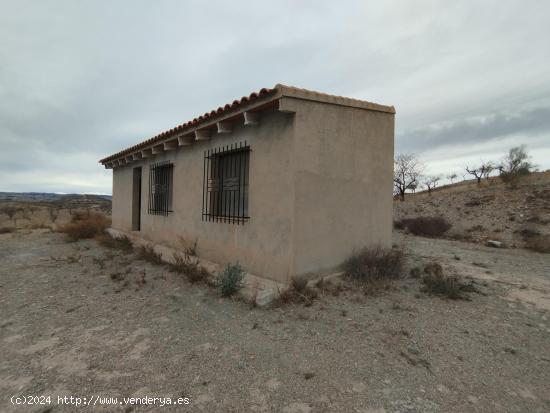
136, 199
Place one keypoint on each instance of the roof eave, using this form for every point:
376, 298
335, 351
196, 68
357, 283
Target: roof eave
236, 109
254, 102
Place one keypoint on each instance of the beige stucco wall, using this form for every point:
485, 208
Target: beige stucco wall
343, 182
261, 244
320, 185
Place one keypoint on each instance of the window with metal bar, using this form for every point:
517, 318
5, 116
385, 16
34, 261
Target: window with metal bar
225, 186
160, 188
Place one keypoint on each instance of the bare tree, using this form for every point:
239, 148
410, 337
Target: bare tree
452, 177
515, 165
478, 172
430, 183
406, 173
11, 211
489, 167
54, 213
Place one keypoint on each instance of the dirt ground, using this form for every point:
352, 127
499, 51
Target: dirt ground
80, 320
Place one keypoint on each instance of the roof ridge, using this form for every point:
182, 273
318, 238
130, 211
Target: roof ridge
330, 98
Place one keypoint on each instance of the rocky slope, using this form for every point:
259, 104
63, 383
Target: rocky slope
486, 212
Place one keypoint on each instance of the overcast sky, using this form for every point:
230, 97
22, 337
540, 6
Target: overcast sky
80, 80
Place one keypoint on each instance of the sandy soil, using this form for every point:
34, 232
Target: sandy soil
68, 328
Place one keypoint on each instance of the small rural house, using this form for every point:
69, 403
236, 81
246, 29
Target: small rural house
285, 181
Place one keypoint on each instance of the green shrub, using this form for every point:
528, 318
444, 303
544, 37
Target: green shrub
230, 280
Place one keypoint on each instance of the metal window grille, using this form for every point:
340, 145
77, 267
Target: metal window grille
160, 188
225, 184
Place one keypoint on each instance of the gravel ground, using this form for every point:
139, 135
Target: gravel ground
67, 328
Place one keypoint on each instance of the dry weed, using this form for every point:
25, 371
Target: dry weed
85, 225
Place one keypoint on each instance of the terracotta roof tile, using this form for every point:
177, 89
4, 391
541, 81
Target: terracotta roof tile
277, 91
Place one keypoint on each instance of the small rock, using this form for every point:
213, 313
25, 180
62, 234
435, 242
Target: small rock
359, 387
413, 349
297, 408
527, 394
472, 399
273, 384
323, 399
510, 350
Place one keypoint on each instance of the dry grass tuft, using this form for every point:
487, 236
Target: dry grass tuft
299, 292
85, 225
374, 268
40, 225
147, 253
299, 283
436, 282
117, 276
534, 240
189, 266
122, 243
327, 287
416, 272
539, 243
426, 226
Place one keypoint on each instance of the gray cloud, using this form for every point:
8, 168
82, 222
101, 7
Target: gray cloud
80, 80
527, 123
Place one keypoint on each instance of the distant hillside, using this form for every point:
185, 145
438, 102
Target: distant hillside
489, 211
33, 210
69, 201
